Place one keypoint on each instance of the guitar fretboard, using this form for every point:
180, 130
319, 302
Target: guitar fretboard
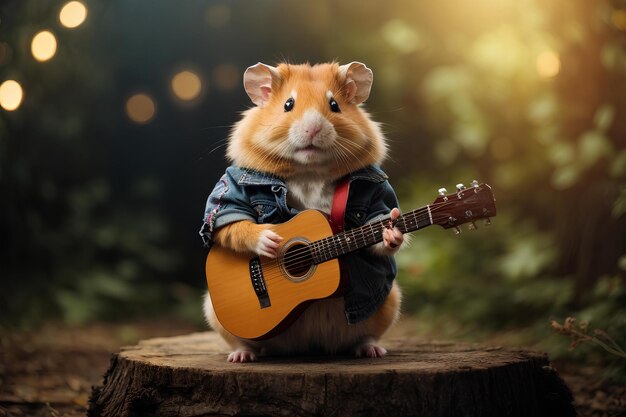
367, 235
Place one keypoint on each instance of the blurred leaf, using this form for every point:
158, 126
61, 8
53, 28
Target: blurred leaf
500, 51
565, 177
593, 145
446, 151
617, 168
446, 81
619, 206
543, 108
561, 154
622, 264
527, 256
401, 36
604, 117
472, 136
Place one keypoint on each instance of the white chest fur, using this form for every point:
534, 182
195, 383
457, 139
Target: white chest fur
316, 195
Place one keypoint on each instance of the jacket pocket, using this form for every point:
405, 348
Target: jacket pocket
355, 217
267, 211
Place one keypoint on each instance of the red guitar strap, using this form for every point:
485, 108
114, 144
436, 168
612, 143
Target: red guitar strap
340, 199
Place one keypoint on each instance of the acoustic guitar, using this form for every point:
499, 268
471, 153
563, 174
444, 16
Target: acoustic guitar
254, 297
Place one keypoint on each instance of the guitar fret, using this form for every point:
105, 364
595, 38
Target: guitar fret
372, 233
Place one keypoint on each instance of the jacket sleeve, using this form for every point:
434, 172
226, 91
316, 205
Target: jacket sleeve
371, 275
226, 204
383, 200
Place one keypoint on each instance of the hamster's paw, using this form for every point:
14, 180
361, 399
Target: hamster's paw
267, 243
369, 350
392, 236
241, 356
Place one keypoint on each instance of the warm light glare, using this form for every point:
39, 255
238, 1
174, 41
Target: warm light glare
73, 14
11, 95
44, 46
548, 64
186, 85
140, 108
618, 17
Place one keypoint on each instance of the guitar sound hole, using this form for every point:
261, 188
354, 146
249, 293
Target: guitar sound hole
298, 261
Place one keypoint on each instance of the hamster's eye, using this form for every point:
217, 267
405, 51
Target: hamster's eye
334, 107
289, 104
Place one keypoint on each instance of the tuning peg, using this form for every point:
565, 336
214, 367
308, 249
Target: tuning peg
457, 230
475, 184
472, 226
487, 221
460, 187
442, 191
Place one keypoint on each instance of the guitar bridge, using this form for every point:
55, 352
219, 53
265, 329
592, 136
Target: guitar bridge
258, 282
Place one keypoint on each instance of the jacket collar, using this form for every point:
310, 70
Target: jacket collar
247, 176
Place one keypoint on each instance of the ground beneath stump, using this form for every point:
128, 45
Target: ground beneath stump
37, 379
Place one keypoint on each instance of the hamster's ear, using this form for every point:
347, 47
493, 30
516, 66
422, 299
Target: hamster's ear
257, 81
357, 81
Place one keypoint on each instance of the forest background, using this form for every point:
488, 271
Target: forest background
109, 148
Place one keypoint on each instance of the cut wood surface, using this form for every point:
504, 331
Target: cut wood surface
189, 376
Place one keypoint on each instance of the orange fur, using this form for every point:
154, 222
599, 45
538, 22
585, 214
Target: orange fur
256, 140
387, 314
260, 141
239, 236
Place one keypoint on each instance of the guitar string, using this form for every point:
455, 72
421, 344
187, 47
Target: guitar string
273, 270
327, 246
305, 255
326, 241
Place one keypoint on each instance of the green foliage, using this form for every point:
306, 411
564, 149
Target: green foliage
526, 96
554, 152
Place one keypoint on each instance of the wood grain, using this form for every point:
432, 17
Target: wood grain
189, 376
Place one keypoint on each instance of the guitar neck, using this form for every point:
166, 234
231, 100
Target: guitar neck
367, 235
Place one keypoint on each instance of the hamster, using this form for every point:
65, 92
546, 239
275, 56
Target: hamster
309, 130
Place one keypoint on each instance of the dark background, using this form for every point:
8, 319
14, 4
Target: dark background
99, 215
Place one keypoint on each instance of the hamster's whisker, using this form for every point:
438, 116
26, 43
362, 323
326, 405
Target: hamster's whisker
345, 145
216, 127
343, 152
219, 145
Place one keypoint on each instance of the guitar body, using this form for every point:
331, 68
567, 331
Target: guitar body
255, 296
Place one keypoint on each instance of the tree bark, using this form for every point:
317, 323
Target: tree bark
189, 376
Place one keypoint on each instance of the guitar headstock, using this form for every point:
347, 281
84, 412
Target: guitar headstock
467, 205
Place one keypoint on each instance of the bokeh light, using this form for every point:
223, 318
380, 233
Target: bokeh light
186, 85
11, 95
618, 17
140, 108
401, 36
73, 14
548, 64
226, 77
218, 15
44, 45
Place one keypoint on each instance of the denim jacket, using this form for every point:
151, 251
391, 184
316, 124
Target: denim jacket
244, 194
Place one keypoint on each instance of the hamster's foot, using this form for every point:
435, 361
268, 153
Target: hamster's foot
241, 356
369, 350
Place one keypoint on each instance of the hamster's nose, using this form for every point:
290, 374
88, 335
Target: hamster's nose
312, 131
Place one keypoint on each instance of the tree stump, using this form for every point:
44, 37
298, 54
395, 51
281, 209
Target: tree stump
189, 376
